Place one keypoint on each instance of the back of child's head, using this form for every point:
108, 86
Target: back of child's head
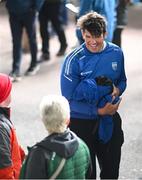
55, 113
5, 87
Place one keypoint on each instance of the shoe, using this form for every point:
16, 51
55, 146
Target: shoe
62, 50
44, 57
32, 70
15, 77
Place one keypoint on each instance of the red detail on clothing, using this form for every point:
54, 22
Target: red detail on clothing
7, 173
17, 157
17, 154
5, 86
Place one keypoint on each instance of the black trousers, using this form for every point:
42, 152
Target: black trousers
17, 23
109, 154
117, 39
50, 12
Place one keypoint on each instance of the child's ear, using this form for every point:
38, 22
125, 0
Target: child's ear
6, 102
67, 122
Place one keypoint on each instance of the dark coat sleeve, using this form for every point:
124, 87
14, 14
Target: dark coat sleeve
36, 166
5, 151
6, 168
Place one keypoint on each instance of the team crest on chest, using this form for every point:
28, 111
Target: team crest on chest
114, 66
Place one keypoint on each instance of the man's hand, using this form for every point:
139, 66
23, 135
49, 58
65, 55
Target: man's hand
109, 108
115, 91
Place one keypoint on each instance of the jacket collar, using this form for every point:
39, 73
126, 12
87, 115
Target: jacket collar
5, 112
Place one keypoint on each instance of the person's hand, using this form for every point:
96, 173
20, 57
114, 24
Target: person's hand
109, 108
115, 91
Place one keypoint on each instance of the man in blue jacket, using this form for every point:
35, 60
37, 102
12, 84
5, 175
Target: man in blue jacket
22, 13
93, 79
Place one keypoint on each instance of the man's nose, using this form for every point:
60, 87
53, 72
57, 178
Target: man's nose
93, 40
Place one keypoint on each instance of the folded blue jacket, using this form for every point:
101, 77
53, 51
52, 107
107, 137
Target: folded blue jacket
89, 91
100, 95
106, 122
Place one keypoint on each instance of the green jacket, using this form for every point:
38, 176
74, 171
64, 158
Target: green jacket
44, 158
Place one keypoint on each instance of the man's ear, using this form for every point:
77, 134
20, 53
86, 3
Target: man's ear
105, 35
82, 32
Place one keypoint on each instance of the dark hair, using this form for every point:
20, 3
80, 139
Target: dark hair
92, 22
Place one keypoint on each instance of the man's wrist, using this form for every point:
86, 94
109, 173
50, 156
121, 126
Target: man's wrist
100, 111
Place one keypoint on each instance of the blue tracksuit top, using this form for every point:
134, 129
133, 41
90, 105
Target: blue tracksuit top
79, 71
